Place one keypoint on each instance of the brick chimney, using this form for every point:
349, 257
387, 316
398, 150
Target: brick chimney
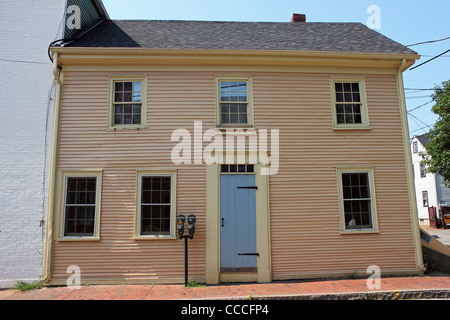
296, 17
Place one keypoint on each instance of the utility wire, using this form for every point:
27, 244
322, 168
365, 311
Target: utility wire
23, 61
422, 105
430, 59
416, 44
419, 120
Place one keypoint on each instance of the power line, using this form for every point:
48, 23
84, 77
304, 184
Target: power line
431, 41
422, 105
418, 89
430, 59
23, 61
419, 120
417, 97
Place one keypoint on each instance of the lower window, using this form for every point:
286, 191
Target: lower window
81, 204
357, 200
155, 204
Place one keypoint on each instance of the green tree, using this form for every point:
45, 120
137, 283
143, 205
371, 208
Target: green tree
437, 157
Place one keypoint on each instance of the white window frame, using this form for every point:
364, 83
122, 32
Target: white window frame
111, 104
364, 109
64, 175
415, 147
173, 191
423, 170
425, 202
373, 206
250, 120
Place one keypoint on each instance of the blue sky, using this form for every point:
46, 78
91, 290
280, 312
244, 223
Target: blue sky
407, 22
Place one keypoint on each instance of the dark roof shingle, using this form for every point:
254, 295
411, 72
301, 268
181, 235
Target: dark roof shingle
310, 36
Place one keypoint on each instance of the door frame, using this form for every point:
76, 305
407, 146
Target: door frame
213, 274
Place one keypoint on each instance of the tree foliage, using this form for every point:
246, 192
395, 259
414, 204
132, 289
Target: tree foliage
437, 157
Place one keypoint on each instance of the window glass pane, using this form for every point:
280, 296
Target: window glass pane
137, 86
338, 87
127, 86
118, 97
225, 118
355, 87
347, 87
118, 86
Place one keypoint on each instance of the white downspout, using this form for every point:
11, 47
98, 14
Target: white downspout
52, 182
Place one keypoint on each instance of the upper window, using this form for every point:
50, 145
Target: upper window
156, 205
128, 107
234, 102
81, 205
357, 196
423, 170
349, 103
415, 147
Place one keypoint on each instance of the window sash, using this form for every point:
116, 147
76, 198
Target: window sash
357, 209
127, 102
233, 102
415, 147
423, 172
156, 205
425, 198
80, 207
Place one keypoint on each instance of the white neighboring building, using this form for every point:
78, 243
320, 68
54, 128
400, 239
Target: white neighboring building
26, 91
430, 191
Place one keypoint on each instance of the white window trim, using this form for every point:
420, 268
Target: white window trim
364, 109
374, 216
425, 198
62, 198
250, 120
173, 191
111, 126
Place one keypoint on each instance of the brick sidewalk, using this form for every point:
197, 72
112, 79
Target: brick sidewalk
391, 288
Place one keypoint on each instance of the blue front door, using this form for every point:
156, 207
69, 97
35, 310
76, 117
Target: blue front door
237, 222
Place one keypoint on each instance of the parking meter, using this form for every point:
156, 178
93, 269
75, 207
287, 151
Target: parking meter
191, 224
180, 225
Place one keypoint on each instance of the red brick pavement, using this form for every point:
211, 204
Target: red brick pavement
288, 290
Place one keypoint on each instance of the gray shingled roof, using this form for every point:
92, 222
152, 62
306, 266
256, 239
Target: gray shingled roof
309, 36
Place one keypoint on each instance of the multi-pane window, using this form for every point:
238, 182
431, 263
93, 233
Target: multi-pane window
423, 170
233, 102
348, 103
425, 198
415, 148
127, 103
237, 168
357, 200
156, 205
80, 206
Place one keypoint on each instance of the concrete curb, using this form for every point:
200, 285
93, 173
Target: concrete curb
435, 294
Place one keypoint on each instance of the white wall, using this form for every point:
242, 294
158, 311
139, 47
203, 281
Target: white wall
428, 183
26, 29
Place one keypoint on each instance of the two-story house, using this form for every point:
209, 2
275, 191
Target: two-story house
430, 188
288, 141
